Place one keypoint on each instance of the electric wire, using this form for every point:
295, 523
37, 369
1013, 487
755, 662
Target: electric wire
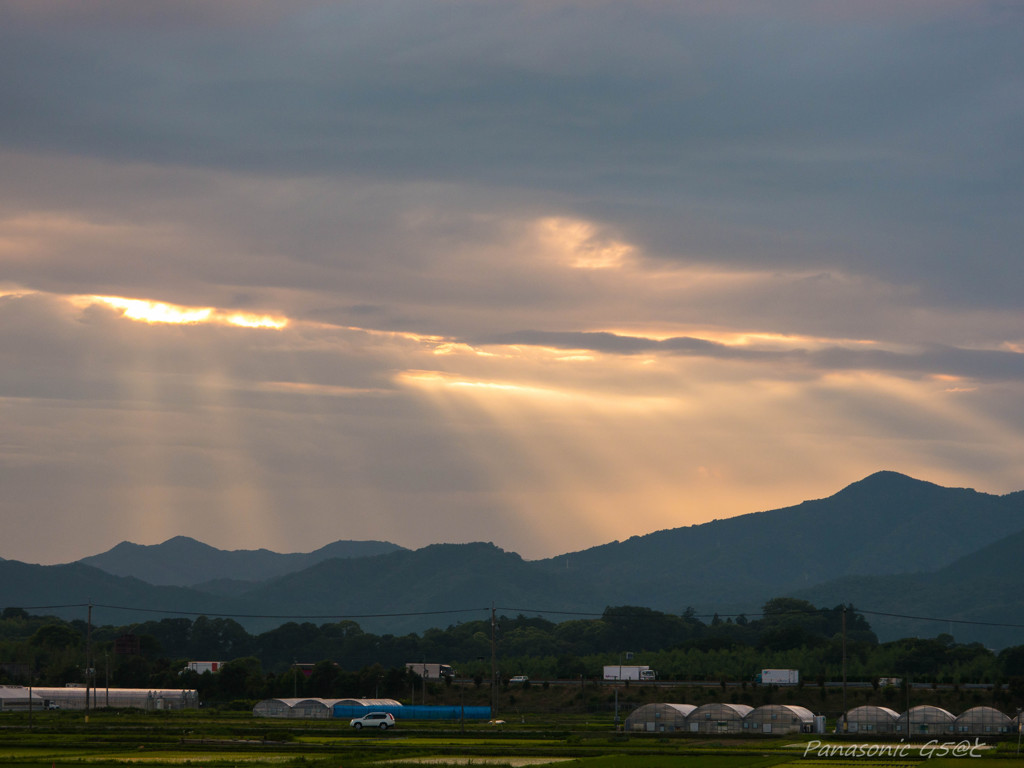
613, 612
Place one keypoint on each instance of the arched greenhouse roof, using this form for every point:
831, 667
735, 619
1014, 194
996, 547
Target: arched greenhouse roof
658, 717
774, 711
720, 711
926, 713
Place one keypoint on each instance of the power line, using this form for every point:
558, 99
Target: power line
625, 611
292, 616
945, 621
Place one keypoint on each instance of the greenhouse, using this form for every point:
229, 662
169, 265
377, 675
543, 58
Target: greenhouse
868, 719
982, 720
274, 708
417, 711
659, 718
302, 709
138, 698
718, 718
315, 709
779, 718
925, 719
367, 703
16, 697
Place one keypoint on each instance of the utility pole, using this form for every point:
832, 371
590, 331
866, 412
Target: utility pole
1018, 729
494, 666
88, 655
908, 708
844, 668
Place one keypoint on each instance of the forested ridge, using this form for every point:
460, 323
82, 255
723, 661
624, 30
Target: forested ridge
345, 660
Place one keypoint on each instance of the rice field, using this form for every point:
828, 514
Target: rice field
220, 740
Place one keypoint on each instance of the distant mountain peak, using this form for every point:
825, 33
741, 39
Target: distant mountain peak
184, 561
887, 482
186, 543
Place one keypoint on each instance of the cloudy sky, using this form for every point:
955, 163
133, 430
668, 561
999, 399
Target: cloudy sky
546, 274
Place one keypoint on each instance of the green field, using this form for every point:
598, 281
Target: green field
214, 740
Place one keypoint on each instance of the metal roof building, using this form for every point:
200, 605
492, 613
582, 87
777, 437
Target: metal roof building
659, 718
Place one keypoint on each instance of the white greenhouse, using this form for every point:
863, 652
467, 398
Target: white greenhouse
137, 698
779, 718
868, 719
718, 718
16, 698
659, 718
312, 708
925, 720
982, 721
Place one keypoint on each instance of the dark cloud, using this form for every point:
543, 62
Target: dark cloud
887, 140
935, 359
790, 231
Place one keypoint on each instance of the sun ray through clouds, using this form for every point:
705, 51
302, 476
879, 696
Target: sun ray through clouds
149, 311
189, 454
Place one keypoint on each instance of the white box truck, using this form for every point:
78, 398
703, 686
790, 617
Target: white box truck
779, 676
629, 672
430, 671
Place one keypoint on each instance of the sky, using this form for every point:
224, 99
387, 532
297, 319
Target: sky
546, 274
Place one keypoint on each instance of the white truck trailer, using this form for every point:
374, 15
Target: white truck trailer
779, 676
430, 671
629, 672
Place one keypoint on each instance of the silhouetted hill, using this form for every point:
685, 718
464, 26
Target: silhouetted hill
887, 543
976, 596
65, 590
449, 582
886, 523
183, 561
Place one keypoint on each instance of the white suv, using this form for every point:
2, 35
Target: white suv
382, 720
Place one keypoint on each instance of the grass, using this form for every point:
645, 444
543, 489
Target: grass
218, 739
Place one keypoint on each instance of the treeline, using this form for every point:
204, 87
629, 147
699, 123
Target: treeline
349, 662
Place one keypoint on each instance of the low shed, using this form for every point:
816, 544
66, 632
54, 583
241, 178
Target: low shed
659, 718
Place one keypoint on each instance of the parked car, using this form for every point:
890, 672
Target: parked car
519, 679
382, 720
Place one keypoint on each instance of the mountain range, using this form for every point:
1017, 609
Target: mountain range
185, 562
889, 544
